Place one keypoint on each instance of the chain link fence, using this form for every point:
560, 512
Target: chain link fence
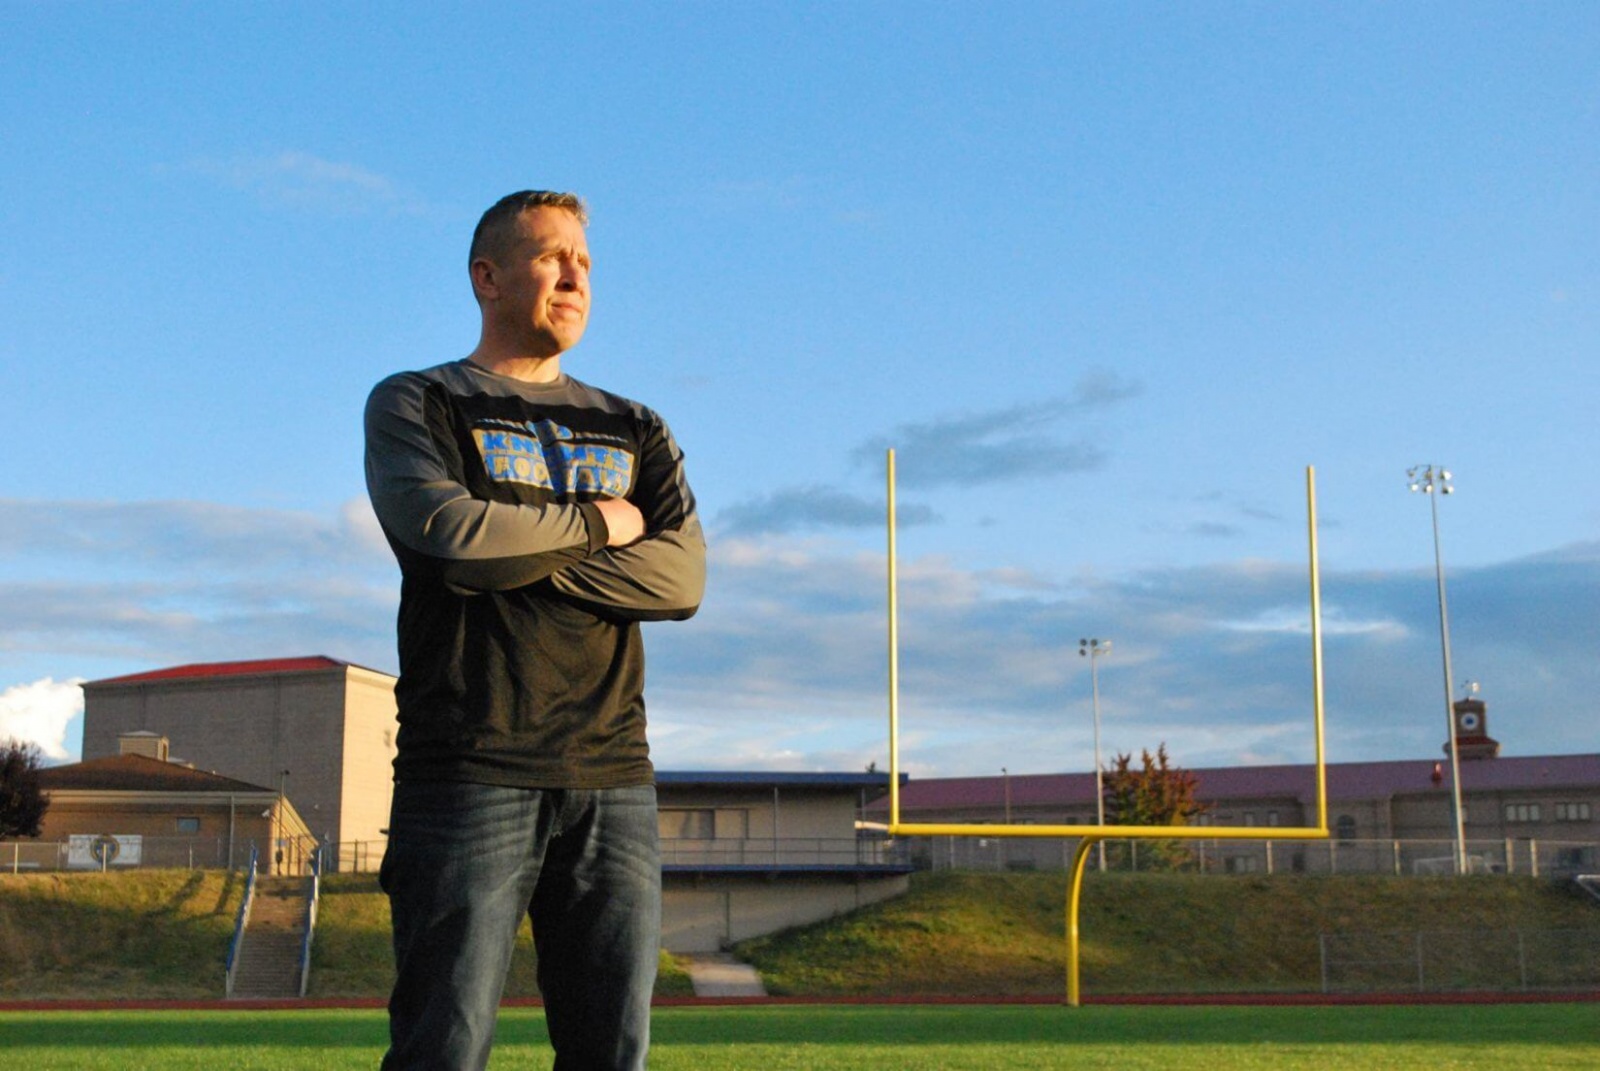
288, 855
1538, 858
1437, 961
365, 856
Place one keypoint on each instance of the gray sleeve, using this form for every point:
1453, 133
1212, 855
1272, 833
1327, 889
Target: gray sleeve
417, 481
661, 577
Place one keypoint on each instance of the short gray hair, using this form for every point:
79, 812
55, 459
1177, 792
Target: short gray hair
496, 231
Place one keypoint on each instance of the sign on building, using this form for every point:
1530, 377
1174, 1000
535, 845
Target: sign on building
90, 851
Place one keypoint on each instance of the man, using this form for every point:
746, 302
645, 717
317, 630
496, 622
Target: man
536, 521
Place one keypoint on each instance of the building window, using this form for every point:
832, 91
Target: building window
733, 823
1249, 818
1345, 828
188, 825
1574, 858
1522, 812
1572, 812
1272, 818
687, 824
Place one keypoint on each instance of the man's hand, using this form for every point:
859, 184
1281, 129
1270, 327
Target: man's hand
624, 522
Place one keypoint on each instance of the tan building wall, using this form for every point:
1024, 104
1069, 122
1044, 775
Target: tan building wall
229, 823
331, 728
368, 750
743, 858
742, 813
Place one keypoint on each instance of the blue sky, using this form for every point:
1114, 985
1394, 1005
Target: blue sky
1106, 276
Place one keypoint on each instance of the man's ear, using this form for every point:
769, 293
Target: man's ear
485, 275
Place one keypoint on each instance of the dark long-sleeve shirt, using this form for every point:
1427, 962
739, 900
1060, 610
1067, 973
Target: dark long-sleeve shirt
521, 661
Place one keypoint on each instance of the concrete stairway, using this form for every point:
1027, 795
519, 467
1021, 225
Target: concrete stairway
718, 974
269, 954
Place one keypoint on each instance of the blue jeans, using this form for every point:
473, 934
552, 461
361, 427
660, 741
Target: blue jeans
464, 862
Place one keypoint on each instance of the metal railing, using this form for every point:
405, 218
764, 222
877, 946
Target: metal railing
1535, 857
311, 920
828, 852
240, 921
356, 856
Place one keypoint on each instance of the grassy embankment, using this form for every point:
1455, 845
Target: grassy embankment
165, 933
1004, 934
155, 934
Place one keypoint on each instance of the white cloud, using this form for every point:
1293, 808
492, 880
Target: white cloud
995, 446
813, 507
358, 520
785, 666
38, 713
128, 586
1297, 621
301, 179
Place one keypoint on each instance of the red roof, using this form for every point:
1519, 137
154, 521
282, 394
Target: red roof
137, 773
200, 670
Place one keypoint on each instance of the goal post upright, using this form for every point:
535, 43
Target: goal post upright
894, 661
1316, 648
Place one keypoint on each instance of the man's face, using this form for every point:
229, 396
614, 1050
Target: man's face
541, 293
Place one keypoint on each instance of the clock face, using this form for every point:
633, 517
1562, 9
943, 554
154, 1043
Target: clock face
1470, 722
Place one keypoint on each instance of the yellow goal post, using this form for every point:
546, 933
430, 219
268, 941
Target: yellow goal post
1091, 835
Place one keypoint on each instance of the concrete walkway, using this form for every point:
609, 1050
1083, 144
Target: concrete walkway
717, 974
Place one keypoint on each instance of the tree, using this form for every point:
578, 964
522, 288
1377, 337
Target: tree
22, 801
1158, 794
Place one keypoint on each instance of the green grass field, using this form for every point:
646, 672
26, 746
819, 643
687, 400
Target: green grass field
864, 1038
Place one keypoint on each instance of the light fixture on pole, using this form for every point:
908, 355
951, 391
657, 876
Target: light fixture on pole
1433, 481
1093, 650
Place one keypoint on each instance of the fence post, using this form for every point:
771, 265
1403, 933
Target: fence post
1511, 863
1269, 858
1533, 856
1397, 870
1333, 857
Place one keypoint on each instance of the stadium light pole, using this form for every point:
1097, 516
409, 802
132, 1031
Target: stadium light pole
1093, 650
1433, 481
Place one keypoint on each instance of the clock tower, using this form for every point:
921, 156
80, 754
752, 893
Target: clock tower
1472, 730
